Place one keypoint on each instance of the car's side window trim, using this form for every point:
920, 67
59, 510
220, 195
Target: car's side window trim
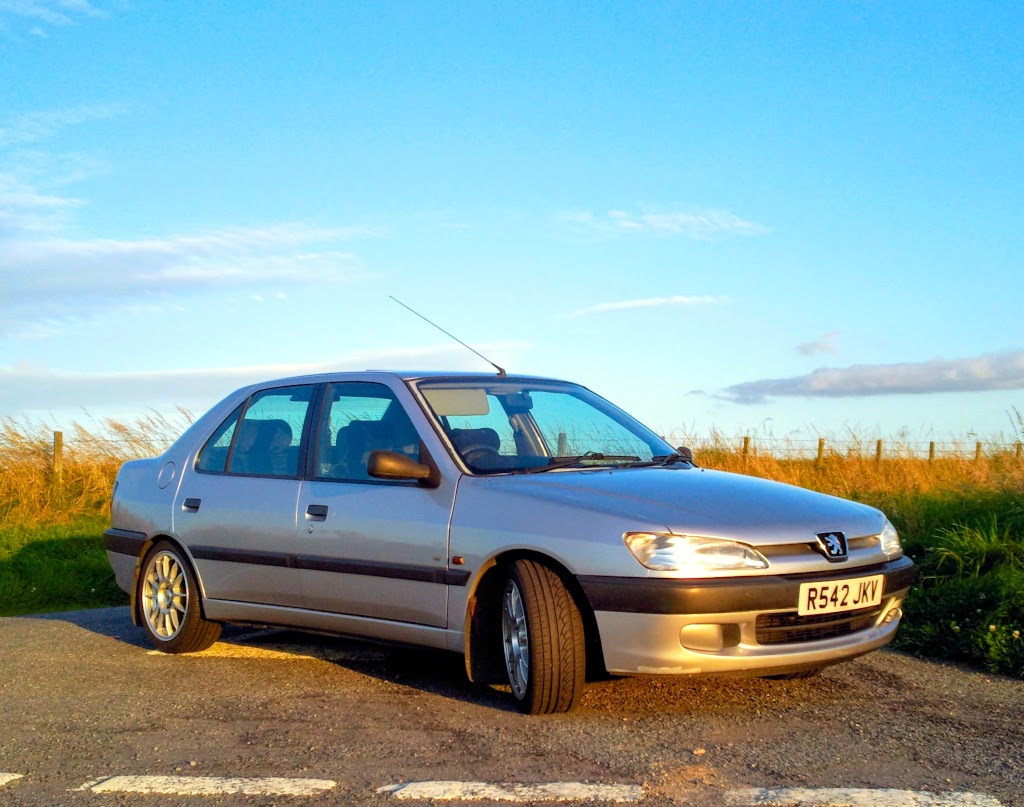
312, 433
234, 436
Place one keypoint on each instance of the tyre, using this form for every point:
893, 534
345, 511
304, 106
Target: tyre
167, 599
542, 634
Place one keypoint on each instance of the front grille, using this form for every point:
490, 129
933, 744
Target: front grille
790, 628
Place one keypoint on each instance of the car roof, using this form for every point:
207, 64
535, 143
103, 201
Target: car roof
404, 375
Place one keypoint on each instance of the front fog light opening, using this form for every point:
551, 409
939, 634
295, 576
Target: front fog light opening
709, 638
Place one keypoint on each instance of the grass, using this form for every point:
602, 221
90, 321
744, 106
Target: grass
58, 567
51, 531
961, 520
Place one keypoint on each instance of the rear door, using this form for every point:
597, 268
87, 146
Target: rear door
370, 547
236, 509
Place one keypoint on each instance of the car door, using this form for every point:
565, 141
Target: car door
236, 509
369, 547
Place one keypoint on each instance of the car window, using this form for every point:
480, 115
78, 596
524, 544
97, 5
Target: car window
265, 440
496, 420
509, 425
571, 427
360, 418
214, 456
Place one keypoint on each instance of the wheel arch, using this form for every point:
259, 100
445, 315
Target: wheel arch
134, 608
484, 656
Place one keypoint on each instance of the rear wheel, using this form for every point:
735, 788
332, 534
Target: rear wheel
167, 598
542, 634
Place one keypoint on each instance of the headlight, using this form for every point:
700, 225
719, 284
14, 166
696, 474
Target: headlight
665, 552
890, 541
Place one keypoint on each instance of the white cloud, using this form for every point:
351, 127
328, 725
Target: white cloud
992, 371
649, 302
27, 388
50, 12
60, 278
826, 343
31, 127
697, 225
48, 277
32, 179
26, 209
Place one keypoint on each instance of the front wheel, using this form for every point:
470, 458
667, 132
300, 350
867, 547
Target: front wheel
542, 634
167, 598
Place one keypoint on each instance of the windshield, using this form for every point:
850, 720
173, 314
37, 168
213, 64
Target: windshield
503, 426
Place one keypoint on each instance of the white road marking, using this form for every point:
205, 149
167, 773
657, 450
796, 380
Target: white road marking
210, 786
479, 791
854, 797
7, 778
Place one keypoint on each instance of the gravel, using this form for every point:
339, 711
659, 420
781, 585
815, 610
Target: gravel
82, 697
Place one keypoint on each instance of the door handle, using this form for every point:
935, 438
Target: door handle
191, 505
316, 512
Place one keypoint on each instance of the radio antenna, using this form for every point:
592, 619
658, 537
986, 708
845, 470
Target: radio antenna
501, 370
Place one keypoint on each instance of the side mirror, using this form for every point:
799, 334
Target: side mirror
395, 466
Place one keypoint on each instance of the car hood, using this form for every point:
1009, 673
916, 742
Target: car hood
699, 501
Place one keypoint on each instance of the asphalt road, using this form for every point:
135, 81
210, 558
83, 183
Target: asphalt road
82, 697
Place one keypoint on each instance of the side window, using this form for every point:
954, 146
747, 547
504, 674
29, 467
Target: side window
214, 456
267, 439
360, 418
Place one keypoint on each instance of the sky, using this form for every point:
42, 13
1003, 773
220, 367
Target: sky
755, 218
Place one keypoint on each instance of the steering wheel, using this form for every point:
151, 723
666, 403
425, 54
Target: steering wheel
481, 456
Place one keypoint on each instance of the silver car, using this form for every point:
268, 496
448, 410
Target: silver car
525, 523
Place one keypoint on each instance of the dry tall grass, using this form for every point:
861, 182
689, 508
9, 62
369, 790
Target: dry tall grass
851, 469
30, 494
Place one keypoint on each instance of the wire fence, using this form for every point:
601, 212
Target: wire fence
816, 449
821, 448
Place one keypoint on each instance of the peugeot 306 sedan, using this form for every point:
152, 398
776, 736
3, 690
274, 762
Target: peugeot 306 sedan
525, 523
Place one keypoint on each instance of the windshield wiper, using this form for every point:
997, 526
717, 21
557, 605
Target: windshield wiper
672, 459
566, 462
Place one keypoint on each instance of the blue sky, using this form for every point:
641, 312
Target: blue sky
783, 217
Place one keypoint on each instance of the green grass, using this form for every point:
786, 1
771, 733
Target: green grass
968, 601
56, 568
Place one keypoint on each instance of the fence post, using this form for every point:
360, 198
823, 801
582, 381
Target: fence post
1018, 450
821, 451
878, 451
58, 462
563, 444
977, 452
931, 452
746, 446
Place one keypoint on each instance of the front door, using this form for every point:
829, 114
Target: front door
369, 547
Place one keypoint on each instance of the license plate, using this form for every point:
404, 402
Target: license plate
835, 596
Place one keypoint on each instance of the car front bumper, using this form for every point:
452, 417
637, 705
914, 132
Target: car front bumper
736, 625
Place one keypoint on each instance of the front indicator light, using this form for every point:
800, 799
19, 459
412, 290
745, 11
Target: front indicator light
693, 554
